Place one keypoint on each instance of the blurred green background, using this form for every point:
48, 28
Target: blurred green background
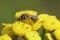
8, 8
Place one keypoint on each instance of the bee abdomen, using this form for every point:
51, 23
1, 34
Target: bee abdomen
34, 18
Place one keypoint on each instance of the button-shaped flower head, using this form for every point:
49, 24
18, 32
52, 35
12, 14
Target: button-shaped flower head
5, 37
19, 28
32, 35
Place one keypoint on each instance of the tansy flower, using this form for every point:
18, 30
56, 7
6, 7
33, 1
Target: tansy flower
27, 27
19, 28
5, 37
37, 25
5, 25
32, 35
57, 34
7, 30
48, 36
43, 17
31, 12
51, 23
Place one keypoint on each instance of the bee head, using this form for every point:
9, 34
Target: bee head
23, 17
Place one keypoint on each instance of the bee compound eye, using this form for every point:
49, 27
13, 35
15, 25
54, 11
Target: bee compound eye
23, 17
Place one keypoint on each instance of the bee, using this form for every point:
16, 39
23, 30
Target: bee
27, 16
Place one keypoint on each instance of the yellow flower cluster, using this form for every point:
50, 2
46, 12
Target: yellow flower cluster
49, 22
27, 24
7, 29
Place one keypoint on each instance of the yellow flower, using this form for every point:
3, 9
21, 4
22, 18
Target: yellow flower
43, 17
51, 23
48, 36
32, 35
31, 12
5, 37
19, 28
57, 34
7, 30
27, 27
37, 25
6, 25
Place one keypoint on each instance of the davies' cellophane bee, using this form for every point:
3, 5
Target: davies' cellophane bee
28, 17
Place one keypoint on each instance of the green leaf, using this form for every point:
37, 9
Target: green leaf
42, 32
